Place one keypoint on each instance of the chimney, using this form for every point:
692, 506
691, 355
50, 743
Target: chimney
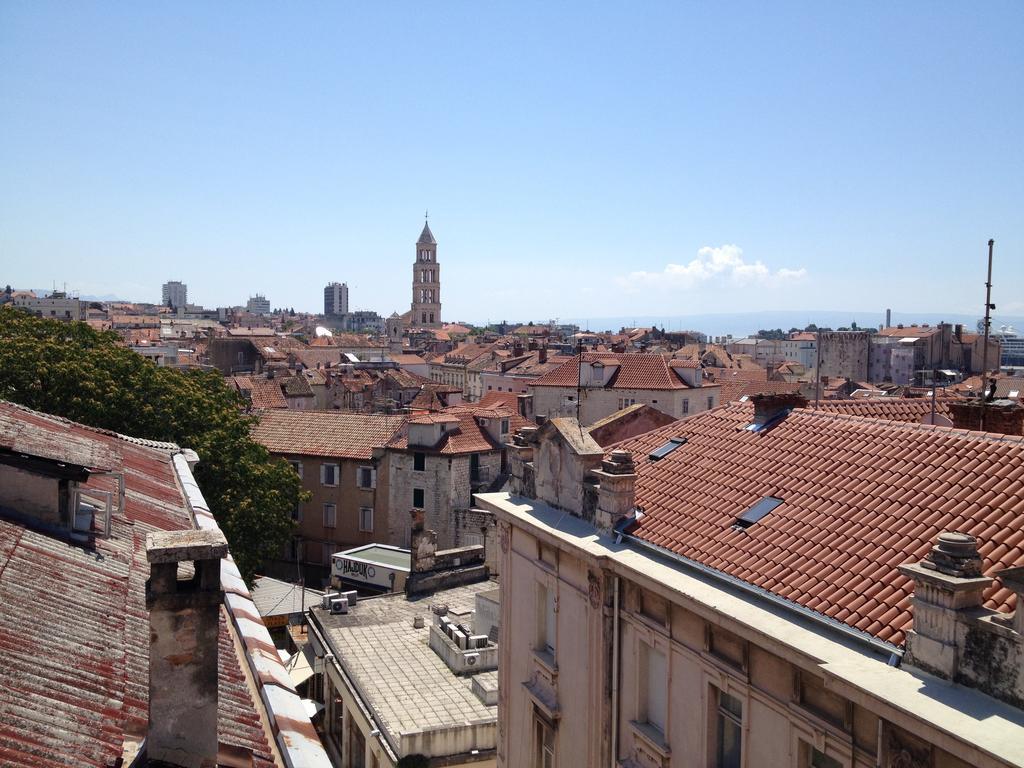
422, 543
542, 354
948, 596
888, 318
1003, 417
184, 628
772, 406
616, 492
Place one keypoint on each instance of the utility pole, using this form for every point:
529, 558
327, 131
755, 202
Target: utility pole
989, 306
817, 368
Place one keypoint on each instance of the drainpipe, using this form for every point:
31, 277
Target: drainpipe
615, 674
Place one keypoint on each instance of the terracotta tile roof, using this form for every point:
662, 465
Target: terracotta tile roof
734, 389
739, 374
860, 497
426, 400
469, 436
262, 393
74, 682
408, 359
911, 409
325, 433
635, 371
492, 399
908, 331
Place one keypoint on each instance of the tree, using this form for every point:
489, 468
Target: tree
71, 370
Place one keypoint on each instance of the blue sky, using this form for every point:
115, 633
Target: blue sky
578, 159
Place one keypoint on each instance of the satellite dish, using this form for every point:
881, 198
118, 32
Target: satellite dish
321, 331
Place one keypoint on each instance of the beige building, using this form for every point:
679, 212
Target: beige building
762, 587
57, 306
333, 453
602, 383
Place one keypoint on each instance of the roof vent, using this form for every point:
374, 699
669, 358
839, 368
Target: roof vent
955, 554
757, 512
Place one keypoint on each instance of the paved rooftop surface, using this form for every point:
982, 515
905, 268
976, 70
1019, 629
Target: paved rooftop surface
393, 558
404, 682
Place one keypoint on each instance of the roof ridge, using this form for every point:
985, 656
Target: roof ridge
159, 445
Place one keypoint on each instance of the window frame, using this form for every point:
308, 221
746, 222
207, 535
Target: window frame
323, 474
362, 516
422, 494
372, 474
330, 520
419, 461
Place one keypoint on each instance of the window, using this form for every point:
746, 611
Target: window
711, 403
728, 720
297, 512
814, 758
419, 462
543, 743
366, 477
655, 695
417, 498
546, 622
297, 466
504, 426
329, 474
686, 405
330, 516
661, 452
366, 519
757, 512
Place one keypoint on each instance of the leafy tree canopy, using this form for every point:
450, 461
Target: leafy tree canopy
71, 370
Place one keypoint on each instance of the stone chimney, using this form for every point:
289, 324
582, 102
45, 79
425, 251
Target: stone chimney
422, 543
542, 354
616, 492
1004, 417
948, 587
184, 628
769, 406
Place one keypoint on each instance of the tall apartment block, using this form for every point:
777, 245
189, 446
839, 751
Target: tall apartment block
175, 294
336, 299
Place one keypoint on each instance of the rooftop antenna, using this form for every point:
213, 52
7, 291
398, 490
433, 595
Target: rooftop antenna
989, 306
579, 380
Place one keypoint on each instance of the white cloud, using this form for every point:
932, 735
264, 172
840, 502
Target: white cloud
725, 262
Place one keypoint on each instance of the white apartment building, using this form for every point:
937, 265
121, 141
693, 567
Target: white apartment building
175, 294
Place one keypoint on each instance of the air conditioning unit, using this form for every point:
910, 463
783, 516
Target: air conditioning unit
339, 605
462, 641
351, 595
478, 641
472, 659
325, 601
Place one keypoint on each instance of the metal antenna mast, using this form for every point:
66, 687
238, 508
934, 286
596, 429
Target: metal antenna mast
989, 306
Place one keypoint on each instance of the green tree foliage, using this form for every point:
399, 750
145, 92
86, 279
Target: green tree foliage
71, 370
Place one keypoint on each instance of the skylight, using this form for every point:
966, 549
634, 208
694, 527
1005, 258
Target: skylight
660, 453
757, 512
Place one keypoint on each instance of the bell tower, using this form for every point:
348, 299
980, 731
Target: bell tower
426, 283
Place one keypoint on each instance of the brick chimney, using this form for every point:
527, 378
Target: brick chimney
768, 406
184, 627
1004, 417
616, 492
542, 354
